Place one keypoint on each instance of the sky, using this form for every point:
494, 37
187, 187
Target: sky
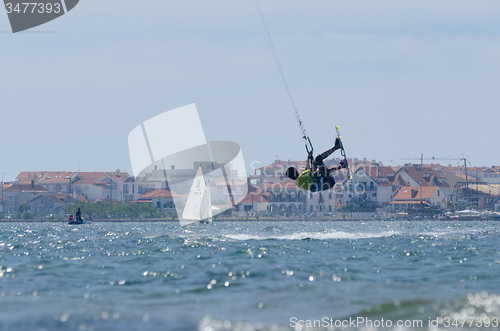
400, 78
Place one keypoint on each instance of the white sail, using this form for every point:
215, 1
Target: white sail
198, 206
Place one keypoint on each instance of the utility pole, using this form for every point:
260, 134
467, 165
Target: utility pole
110, 189
2, 194
421, 177
466, 177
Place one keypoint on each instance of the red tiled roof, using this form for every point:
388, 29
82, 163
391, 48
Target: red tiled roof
405, 193
160, 193
20, 187
255, 198
28, 176
122, 176
384, 171
57, 177
469, 177
410, 202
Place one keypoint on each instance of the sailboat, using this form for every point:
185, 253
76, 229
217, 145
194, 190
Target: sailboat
199, 205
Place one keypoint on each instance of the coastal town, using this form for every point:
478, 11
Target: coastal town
422, 190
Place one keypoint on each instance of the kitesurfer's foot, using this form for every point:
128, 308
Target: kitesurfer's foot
337, 143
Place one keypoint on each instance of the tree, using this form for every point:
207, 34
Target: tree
23, 208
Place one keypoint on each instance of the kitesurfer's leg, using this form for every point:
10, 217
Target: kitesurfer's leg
319, 159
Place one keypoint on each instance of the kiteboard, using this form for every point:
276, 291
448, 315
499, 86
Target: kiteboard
342, 152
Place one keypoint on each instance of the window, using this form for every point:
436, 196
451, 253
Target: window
329, 208
371, 185
11, 197
438, 192
311, 208
310, 196
330, 195
125, 189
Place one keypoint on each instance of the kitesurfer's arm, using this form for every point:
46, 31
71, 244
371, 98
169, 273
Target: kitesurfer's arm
341, 166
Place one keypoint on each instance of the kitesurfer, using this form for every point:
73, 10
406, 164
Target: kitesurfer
317, 176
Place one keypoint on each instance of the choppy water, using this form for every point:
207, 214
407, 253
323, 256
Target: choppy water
245, 275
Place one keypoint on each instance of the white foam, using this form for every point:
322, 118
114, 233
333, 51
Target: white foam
449, 232
312, 235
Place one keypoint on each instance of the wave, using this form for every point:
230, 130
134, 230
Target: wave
312, 235
475, 310
450, 232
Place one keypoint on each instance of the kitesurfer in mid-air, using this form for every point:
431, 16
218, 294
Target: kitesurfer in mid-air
317, 176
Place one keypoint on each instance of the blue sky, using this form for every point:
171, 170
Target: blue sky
400, 78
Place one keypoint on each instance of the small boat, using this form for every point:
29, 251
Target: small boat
77, 221
468, 214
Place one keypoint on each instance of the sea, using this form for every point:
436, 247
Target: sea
250, 275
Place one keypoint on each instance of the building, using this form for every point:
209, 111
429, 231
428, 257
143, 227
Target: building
363, 187
275, 172
160, 199
490, 176
480, 196
18, 194
93, 186
320, 203
92, 189
416, 196
422, 175
285, 198
253, 204
57, 182
44, 205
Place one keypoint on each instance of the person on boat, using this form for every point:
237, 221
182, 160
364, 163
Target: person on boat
70, 218
78, 215
317, 176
